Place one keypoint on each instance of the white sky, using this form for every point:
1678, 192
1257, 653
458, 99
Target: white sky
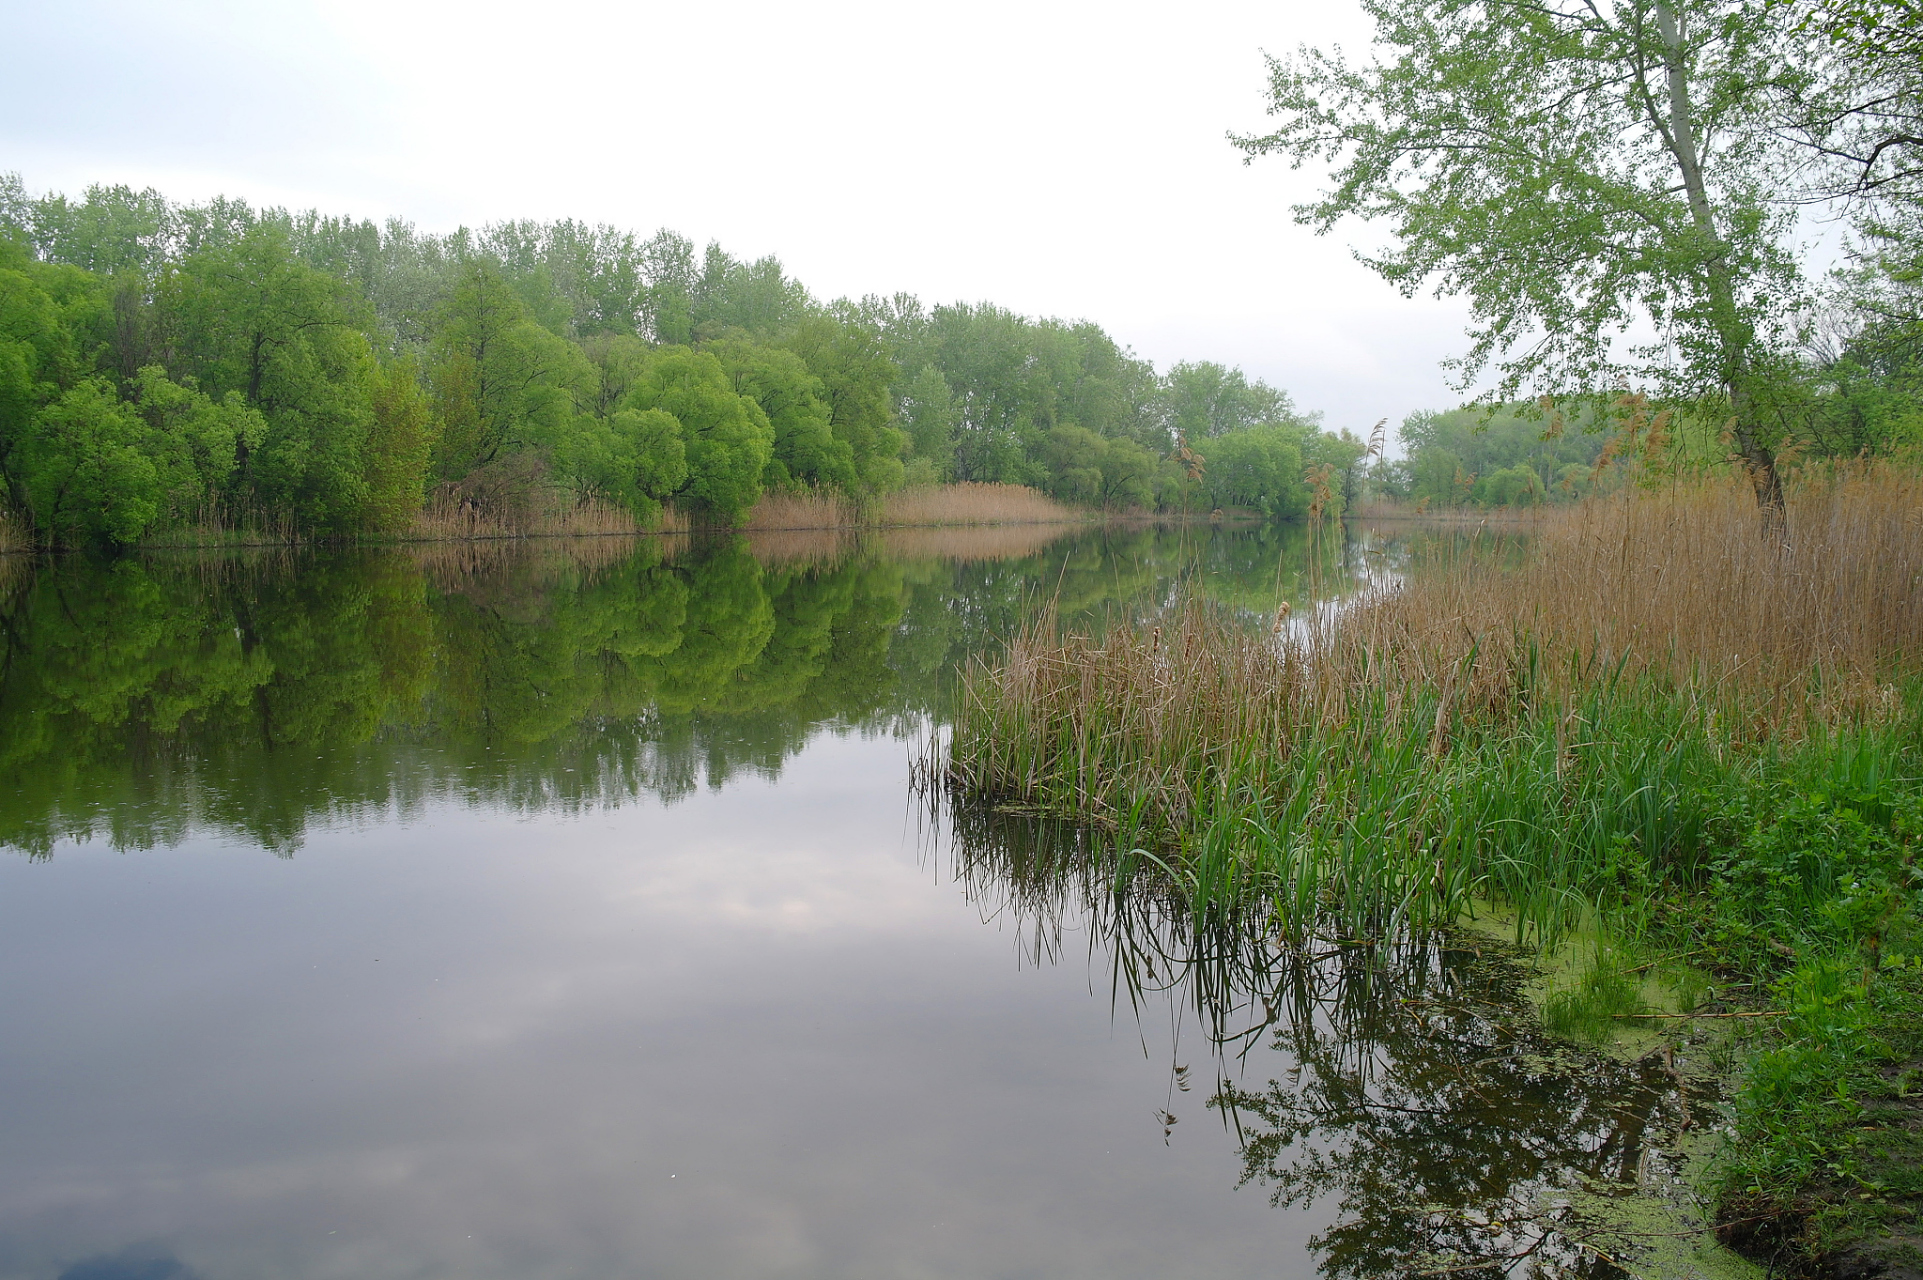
1053, 156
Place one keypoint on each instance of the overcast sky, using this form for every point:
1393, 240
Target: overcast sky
1060, 158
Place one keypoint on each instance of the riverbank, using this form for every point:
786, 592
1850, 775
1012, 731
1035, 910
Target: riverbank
1656, 725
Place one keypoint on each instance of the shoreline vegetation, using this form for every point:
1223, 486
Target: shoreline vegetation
1689, 752
963, 505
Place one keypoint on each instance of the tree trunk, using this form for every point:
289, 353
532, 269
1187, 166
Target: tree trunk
1732, 333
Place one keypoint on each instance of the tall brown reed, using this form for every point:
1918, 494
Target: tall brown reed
1682, 584
1495, 724
15, 535
807, 509
970, 503
447, 516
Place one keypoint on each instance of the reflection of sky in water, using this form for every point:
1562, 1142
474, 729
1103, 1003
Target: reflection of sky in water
611, 941
751, 1034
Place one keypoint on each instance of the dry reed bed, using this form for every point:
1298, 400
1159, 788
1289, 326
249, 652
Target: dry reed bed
1685, 585
804, 546
448, 517
1682, 587
966, 542
967, 503
970, 503
1482, 729
810, 509
15, 536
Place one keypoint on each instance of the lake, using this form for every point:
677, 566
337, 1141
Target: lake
571, 909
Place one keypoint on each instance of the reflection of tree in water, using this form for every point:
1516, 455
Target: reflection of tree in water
1412, 1092
144, 698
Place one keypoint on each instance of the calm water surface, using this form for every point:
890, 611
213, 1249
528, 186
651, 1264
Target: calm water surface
549, 910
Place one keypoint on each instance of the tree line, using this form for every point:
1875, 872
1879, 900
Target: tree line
169, 366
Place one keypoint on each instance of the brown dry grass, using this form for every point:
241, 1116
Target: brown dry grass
1681, 587
446, 517
14, 534
801, 546
964, 504
813, 509
1684, 585
925, 506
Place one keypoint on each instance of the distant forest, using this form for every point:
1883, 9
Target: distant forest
173, 366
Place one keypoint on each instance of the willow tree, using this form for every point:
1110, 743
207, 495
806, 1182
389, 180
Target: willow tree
1602, 180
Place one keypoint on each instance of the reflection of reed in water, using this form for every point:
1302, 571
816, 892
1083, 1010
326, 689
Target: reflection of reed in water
971, 543
966, 544
453, 566
1408, 1084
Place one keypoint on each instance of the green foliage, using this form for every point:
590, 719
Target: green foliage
842, 349
504, 382
806, 449
633, 458
930, 420
1506, 457
399, 448
84, 473
1206, 399
1259, 467
727, 437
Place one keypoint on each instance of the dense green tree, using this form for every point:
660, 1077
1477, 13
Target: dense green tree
224, 364
503, 382
757, 298
667, 265
1453, 456
194, 441
1205, 399
251, 318
848, 354
1258, 467
47, 315
929, 420
806, 450
728, 438
84, 471
400, 446
633, 458
113, 230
